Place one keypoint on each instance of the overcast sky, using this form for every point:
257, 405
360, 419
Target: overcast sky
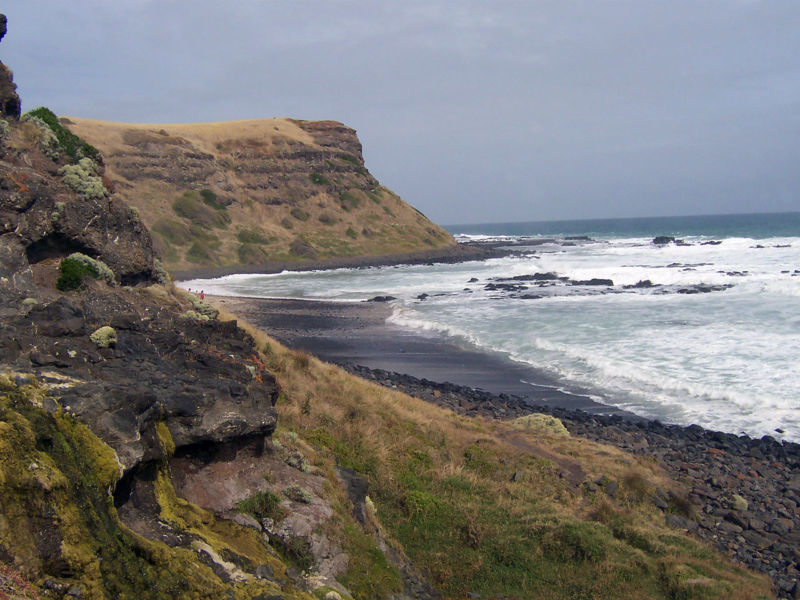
473, 111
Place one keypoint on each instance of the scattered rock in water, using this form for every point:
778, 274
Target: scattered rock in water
382, 299
663, 240
594, 281
642, 284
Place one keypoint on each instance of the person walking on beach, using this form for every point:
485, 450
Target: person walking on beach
202, 295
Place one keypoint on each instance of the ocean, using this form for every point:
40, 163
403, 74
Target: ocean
704, 329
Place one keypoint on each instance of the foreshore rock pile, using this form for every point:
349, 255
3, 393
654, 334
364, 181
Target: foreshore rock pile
741, 494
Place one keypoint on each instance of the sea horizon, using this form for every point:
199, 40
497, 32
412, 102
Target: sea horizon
767, 224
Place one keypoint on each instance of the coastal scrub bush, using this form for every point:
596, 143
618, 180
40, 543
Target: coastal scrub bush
349, 158
541, 423
299, 214
203, 307
77, 267
173, 231
318, 179
576, 541
250, 254
160, 273
103, 271
351, 233
253, 235
72, 274
104, 337
75, 147
349, 201
82, 179
210, 199
263, 505
298, 494
193, 315
190, 207
48, 141
199, 252
300, 247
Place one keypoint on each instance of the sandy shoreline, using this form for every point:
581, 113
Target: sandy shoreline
356, 333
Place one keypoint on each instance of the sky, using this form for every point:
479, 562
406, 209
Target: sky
473, 111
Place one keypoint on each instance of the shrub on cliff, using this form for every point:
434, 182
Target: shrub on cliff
190, 207
48, 141
83, 179
77, 267
104, 337
75, 147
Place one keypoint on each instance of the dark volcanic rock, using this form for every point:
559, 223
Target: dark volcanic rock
40, 215
200, 378
642, 284
9, 100
663, 240
594, 281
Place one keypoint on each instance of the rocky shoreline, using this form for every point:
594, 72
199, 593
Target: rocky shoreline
742, 494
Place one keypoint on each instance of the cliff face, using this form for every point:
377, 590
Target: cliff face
256, 192
121, 396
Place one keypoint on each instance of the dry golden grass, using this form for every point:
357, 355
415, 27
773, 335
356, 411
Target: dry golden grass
110, 134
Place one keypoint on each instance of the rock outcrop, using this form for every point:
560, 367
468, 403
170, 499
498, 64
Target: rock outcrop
9, 100
133, 422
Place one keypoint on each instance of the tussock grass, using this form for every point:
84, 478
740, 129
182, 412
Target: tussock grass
482, 506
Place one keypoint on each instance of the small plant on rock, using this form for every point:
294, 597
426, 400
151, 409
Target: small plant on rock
104, 337
263, 505
298, 494
83, 179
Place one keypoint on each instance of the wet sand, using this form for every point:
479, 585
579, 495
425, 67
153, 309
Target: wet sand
356, 333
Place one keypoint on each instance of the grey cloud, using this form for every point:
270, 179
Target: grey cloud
472, 111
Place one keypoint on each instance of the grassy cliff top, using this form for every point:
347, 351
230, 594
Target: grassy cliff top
256, 191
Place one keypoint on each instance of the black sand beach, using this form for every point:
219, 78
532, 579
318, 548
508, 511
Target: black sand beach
356, 333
